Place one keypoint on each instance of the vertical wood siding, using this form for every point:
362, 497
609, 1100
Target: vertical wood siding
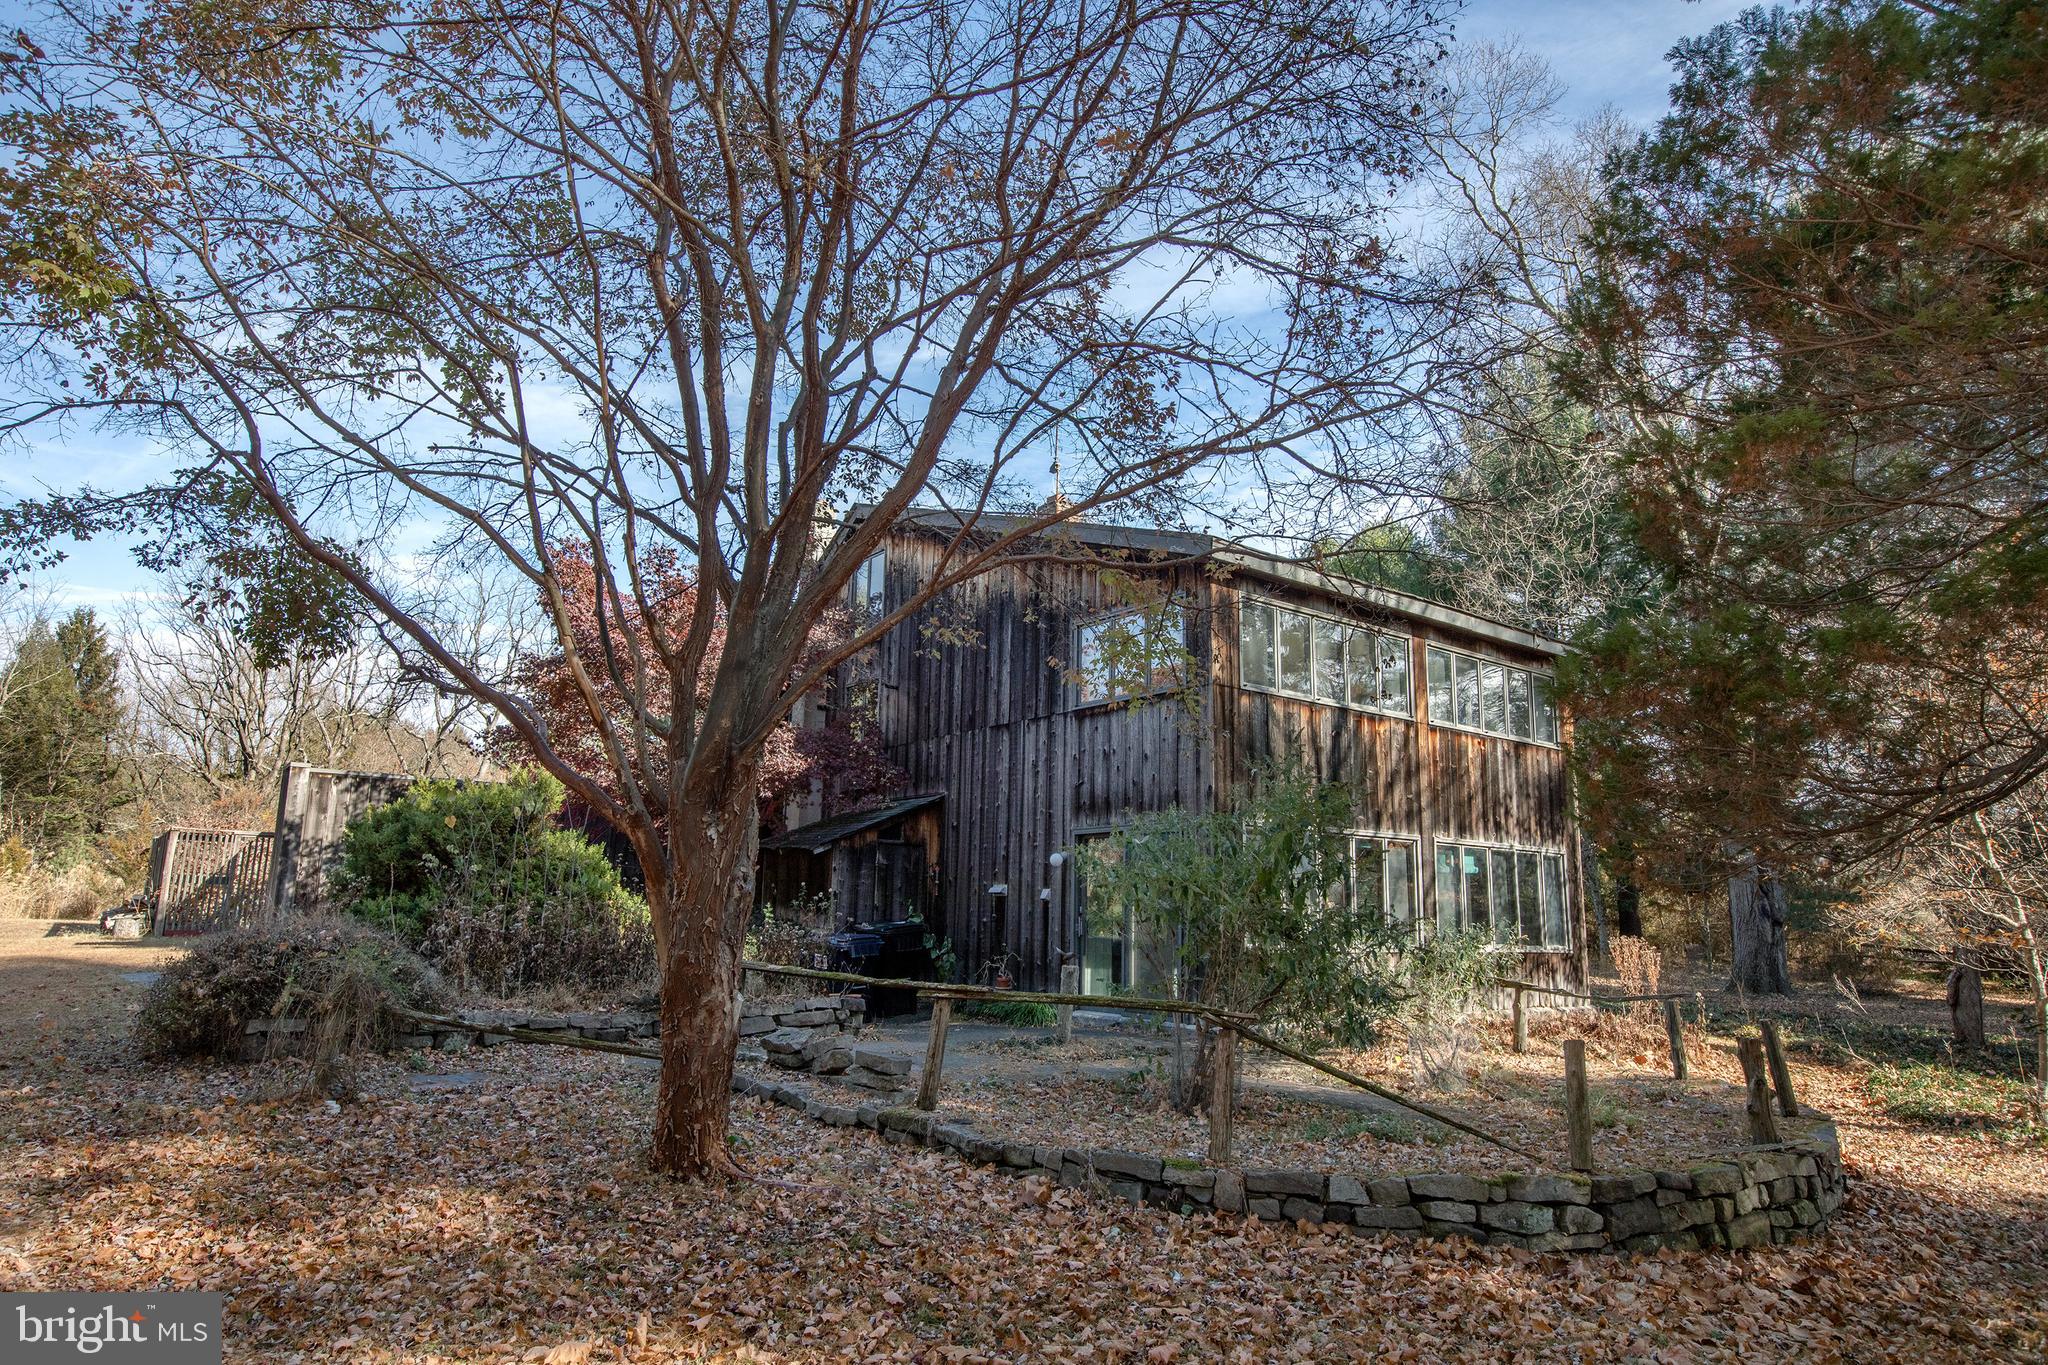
975, 702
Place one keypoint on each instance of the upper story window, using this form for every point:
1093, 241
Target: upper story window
1470, 693
1133, 653
1516, 897
868, 591
1320, 658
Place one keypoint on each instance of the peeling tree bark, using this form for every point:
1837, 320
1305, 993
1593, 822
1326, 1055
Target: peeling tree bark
712, 848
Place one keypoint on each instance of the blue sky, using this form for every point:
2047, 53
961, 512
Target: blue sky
1604, 53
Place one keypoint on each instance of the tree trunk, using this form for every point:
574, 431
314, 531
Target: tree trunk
2034, 953
1756, 915
1628, 906
712, 842
1589, 861
1966, 1006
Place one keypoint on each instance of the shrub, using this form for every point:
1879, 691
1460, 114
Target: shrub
1015, 1013
1442, 985
477, 878
334, 972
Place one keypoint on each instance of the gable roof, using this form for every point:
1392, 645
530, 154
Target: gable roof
1210, 549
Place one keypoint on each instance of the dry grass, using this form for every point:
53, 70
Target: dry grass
81, 892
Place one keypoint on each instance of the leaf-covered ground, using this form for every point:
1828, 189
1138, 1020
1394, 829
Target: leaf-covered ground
1094, 1094
511, 1219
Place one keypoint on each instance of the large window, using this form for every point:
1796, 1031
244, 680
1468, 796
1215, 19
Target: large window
1484, 695
1383, 873
1515, 896
1320, 658
1134, 653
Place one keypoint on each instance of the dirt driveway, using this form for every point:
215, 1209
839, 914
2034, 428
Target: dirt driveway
67, 992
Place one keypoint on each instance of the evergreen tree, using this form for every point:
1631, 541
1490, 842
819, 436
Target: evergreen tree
1823, 296
59, 764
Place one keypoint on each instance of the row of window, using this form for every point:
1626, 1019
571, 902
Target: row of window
1514, 896
1143, 651
1321, 659
1479, 694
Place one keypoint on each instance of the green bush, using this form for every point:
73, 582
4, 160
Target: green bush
332, 971
476, 877
1015, 1013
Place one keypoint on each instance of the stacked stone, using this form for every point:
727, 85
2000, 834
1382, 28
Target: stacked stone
1752, 1198
802, 1035
482, 1027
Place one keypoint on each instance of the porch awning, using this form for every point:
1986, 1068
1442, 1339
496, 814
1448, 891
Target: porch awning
817, 837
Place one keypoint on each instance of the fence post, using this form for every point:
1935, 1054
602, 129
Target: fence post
1578, 1109
935, 1054
1763, 1124
1781, 1074
1521, 1022
1675, 1032
163, 890
1222, 1094
1070, 984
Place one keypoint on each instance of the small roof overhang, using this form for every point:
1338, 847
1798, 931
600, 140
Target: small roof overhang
822, 834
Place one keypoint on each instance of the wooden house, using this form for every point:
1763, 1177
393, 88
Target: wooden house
1040, 703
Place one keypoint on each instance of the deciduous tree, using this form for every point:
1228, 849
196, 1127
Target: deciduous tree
680, 278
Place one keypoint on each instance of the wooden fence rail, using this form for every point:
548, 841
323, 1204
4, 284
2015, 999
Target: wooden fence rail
1763, 1060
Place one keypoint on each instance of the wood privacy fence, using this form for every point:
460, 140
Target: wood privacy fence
203, 881
314, 806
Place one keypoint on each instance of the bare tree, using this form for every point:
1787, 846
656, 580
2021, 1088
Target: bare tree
1976, 892
207, 707
664, 281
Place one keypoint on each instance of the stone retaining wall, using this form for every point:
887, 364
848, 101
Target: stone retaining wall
818, 1016
1749, 1198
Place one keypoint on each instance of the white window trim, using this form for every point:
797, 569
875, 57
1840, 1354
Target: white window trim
1074, 685
1407, 643
1446, 723
1564, 888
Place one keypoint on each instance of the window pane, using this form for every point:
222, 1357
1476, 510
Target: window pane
1468, 689
1400, 882
1554, 932
1546, 709
1447, 888
1476, 899
1165, 648
1369, 877
1532, 903
1506, 928
1294, 652
1254, 643
868, 587
1439, 686
1394, 673
1094, 674
1329, 665
1518, 703
1361, 686
1494, 698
